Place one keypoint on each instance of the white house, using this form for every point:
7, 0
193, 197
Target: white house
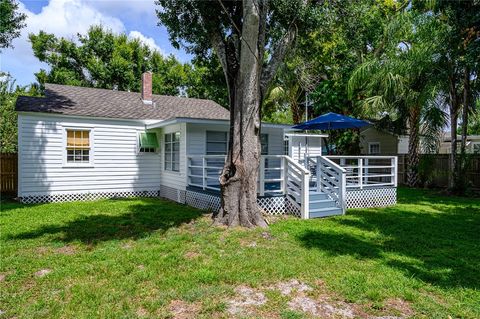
81, 143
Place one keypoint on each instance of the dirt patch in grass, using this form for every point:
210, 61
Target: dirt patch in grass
286, 288
303, 299
183, 310
192, 255
66, 250
399, 307
42, 250
248, 243
3, 275
142, 312
312, 301
43, 272
128, 245
245, 301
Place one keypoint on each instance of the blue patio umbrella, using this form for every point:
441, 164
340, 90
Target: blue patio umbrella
332, 121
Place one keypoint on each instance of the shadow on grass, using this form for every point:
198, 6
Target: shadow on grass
138, 221
436, 240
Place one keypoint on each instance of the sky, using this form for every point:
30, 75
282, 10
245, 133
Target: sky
67, 18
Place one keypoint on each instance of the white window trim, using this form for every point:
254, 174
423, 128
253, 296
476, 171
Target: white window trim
91, 153
164, 162
373, 143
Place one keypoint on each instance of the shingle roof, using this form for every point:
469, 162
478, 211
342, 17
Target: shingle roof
74, 100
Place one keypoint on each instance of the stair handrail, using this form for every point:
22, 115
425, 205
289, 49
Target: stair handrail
303, 188
335, 188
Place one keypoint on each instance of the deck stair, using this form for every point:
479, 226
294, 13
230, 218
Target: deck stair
322, 206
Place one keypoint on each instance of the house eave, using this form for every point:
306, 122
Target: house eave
177, 120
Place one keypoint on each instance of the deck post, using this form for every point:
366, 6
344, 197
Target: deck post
395, 171
204, 180
262, 176
283, 174
343, 193
319, 174
305, 202
367, 169
360, 172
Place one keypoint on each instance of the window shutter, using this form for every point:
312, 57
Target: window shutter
148, 140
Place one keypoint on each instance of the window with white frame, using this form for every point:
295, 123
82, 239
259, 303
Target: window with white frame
374, 148
78, 148
217, 143
172, 151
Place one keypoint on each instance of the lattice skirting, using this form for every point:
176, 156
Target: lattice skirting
273, 205
174, 194
277, 205
373, 197
55, 198
202, 201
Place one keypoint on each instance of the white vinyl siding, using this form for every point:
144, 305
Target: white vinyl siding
175, 179
117, 166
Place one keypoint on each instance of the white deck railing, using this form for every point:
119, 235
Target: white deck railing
204, 171
281, 175
368, 171
329, 178
297, 188
277, 175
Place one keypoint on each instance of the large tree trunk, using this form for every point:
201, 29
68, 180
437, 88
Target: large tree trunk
466, 109
297, 111
453, 178
460, 184
239, 176
454, 102
413, 153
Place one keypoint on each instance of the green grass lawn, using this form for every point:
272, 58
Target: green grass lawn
153, 258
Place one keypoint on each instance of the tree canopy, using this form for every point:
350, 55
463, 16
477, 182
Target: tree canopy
11, 22
9, 92
103, 59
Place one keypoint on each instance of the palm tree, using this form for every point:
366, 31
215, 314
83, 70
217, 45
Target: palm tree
401, 81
